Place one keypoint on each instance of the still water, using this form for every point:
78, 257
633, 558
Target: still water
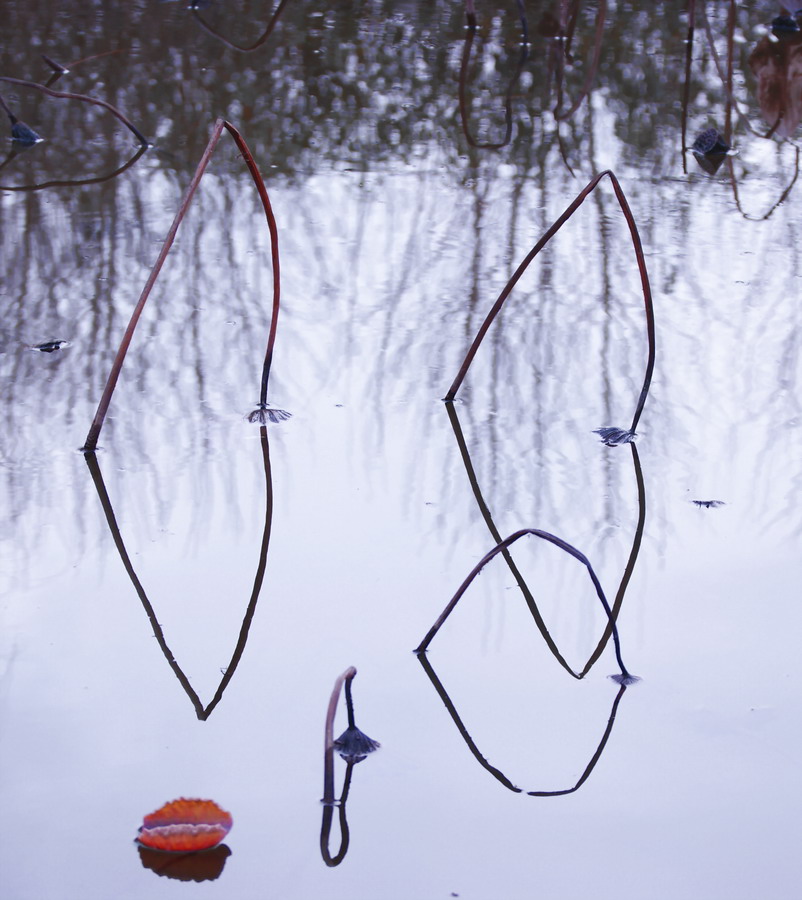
176, 610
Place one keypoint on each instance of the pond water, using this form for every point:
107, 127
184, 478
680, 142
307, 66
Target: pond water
177, 608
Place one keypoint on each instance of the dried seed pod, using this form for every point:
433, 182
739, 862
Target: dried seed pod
185, 826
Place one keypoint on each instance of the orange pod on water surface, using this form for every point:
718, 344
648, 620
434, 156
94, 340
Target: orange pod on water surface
185, 826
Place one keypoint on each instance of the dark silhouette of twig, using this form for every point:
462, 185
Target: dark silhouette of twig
778, 202
328, 743
77, 183
527, 594
202, 712
59, 69
463, 78
686, 91
82, 98
328, 817
641, 261
596, 756
590, 77
496, 772
470, 13
251, 47
56, 67
499, 548
111, 383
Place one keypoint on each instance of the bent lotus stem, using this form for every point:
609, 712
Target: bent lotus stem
496, 772
219, 126
83, 98
242, 49
328, 767
462, 90
601, 16
644, 275
328, 817
500, 548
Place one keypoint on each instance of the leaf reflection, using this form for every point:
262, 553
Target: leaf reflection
202, 712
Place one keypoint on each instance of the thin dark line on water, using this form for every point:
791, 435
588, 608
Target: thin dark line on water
496, 772
242, 49
686, 91
507, 542
601, 17
263, 414
78, 183
463, 81
528, 596
329, 801
202, 712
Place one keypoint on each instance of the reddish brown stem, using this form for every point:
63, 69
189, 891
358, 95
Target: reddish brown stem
219, 126
271, 224
500, 548
641, 261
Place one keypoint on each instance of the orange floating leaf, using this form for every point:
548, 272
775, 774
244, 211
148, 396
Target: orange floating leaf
185, 826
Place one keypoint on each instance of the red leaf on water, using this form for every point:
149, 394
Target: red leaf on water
185, 826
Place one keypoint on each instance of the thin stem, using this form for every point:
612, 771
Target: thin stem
462, 90
219, 126
64, 95
99, 179
258, 43
328, 743
552, 539
105, 400
686, 92
328, 815
497, 773
601, 16
641, 262
491, 526
274, 255
349, 703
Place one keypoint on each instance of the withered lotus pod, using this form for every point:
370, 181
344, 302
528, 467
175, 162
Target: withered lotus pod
185, 826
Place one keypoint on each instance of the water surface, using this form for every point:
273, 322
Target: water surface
396, 236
